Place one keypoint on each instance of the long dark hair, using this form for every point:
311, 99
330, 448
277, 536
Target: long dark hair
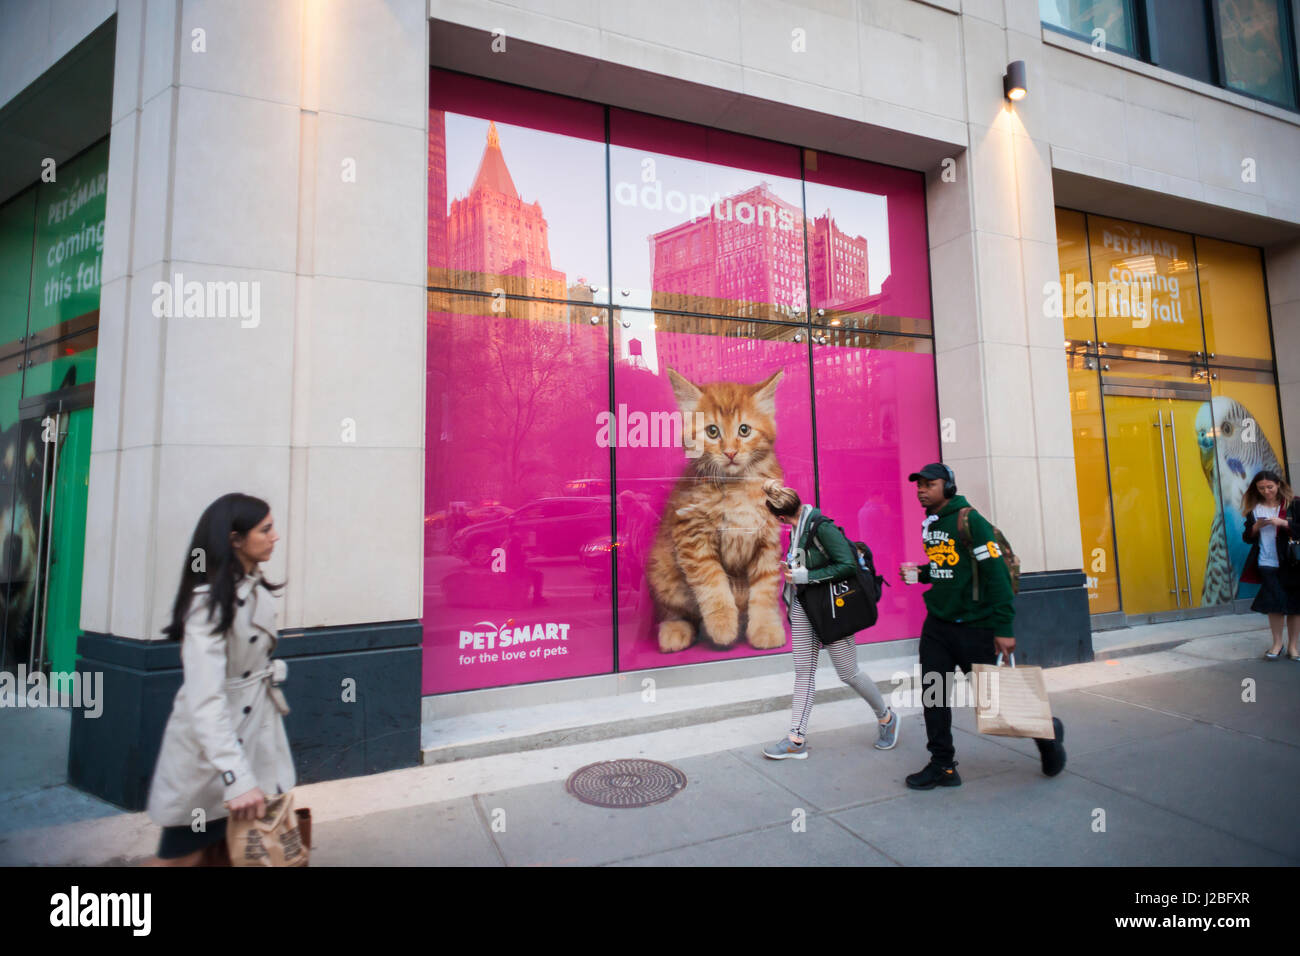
1252, 496
211, 560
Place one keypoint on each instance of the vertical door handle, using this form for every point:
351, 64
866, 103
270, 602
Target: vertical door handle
40, 541
1169, 510
43, 592
1178, 478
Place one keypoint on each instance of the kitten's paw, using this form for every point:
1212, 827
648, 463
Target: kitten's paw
723, 626
765, 632
675, 636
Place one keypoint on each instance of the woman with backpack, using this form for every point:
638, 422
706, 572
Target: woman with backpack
820, 556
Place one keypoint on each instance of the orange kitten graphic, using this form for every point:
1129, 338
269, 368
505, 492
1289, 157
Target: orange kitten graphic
716, 555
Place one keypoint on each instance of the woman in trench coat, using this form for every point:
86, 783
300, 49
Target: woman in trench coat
225, 748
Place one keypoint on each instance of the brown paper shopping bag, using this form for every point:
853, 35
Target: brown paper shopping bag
274, 839
1012, 701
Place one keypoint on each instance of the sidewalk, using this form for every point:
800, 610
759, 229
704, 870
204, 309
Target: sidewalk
1160, 741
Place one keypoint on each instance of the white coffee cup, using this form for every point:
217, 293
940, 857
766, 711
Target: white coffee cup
911, 574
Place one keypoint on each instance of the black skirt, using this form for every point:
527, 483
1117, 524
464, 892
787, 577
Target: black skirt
182, 841
1278, 592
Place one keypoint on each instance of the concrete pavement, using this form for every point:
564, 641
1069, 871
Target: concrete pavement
1178, 759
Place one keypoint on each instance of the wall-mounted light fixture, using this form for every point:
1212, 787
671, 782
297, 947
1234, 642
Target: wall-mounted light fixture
1013, 81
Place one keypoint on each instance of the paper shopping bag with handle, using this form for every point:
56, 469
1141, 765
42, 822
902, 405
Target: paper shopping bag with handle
274, 839
1012, 701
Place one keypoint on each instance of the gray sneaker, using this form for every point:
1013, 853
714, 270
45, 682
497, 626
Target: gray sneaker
785, 747
887, 735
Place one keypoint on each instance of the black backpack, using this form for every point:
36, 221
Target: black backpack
865, 561
839, 609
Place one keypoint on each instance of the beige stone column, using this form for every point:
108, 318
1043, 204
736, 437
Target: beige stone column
275, 148
1003, 392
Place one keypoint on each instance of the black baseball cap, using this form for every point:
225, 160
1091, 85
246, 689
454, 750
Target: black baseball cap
932, 471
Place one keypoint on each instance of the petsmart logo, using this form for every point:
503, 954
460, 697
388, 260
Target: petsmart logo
504, 635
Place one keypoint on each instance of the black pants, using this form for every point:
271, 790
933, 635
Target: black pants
945, 645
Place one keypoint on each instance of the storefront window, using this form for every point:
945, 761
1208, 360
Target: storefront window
1241, 430
516, 495
51, 247
1233, 299
516, 192
1257, 56
1077, 304
704, 220
867, 253
1144, 289
1169, 428
740, 391
865, 447
595, 461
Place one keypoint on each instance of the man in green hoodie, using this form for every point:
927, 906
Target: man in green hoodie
960, 630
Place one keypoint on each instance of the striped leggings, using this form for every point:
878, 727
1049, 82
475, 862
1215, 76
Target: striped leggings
844, 655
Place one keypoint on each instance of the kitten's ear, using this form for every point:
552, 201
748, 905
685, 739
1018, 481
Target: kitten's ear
688, 395
765, 393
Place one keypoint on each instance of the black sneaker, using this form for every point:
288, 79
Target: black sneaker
934, 776
1053, 751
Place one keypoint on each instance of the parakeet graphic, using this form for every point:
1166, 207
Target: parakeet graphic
1226, 433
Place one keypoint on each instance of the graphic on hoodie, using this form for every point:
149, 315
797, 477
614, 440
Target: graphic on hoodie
715, 563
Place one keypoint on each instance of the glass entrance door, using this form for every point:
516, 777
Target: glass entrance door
1166, 526
45, 532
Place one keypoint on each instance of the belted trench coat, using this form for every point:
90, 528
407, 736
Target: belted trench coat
226, 733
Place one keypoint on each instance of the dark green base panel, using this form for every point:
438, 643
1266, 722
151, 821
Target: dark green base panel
1052, 622
333, 733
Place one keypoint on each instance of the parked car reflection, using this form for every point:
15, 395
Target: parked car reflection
547, 527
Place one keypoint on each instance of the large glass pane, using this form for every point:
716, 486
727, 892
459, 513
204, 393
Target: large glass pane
1113, 17
17, 222
1239, 433
1180, 37
704, 220
1093, 481
69, 241
516, 493
868, 261
1257, 49
61, 364
516, 191
706, 410
1234, 301
1143, 286
1076, 280
877, 421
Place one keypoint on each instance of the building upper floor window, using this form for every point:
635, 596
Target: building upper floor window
1247, 46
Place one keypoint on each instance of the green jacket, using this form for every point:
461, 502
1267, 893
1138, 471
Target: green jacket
831, 558
949, 573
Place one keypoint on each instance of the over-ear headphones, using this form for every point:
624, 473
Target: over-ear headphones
949, 483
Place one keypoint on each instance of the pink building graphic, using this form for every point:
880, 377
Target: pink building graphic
497, 240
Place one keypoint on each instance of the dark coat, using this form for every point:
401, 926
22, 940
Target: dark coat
1250, 573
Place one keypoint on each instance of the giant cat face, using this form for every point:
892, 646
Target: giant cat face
732, 425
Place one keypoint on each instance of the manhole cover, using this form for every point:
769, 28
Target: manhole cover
625, 783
